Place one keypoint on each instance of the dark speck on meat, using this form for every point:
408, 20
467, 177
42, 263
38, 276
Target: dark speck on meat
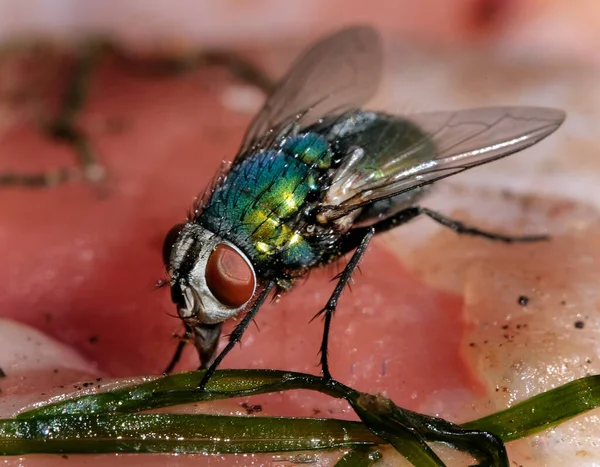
523, 300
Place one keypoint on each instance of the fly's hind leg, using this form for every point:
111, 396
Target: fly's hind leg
360, 237
333, 300
463, 229
459, 227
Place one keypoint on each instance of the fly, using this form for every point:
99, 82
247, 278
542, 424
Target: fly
316, 177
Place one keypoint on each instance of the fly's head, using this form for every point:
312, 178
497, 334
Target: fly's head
211, 279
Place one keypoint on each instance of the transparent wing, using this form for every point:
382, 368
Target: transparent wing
340, 72
427, 147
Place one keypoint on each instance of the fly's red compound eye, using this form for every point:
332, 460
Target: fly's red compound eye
229, 277
170, 240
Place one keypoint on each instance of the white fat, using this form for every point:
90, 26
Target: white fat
519, 351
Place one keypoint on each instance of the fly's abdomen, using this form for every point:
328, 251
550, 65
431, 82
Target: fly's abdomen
255, 205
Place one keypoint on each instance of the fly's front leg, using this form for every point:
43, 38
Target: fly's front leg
237, 334
179, 351
337, 292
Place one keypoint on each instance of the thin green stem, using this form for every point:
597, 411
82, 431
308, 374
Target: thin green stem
207, 434
408, 432
543, 411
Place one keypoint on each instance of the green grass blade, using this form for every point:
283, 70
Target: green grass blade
359, 457
179, 389
172, 433
377, 413
543, 411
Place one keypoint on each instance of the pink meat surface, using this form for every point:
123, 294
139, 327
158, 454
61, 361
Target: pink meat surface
81, 261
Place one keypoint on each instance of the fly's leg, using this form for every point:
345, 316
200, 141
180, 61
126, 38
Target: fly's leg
176, 357
337, 292
459, 227
237, 333
179, 351
359, 238
463, 229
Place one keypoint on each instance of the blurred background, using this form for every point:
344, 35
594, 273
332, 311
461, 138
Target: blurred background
549, 27
441, 53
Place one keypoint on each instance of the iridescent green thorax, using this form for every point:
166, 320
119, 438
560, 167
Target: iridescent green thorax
256, 204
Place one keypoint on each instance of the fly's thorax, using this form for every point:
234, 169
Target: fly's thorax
211, 279
260, 205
